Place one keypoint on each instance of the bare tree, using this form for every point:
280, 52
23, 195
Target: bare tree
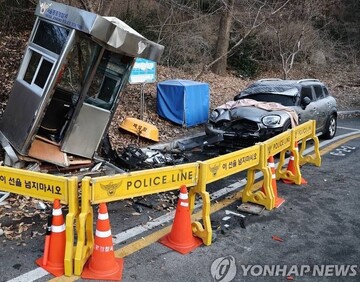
102, 7
264, 12
288, 56
222, 45
294, 34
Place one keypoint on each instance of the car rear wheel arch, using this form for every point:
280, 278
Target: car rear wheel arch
330, 127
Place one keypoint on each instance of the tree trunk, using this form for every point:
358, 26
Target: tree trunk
106, 9
222, 44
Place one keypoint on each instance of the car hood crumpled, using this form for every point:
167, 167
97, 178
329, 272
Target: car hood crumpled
267, 106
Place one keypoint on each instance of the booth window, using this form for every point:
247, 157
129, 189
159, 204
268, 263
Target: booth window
43, 73
38, 70
78, 66
108, 80
50, 36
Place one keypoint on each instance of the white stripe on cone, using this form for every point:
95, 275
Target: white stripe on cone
103, 216
56, 212
103, 234
58, 229
183, 196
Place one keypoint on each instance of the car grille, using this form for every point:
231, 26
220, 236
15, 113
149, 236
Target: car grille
245, 125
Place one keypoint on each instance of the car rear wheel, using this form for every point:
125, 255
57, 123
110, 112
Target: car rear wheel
330, 129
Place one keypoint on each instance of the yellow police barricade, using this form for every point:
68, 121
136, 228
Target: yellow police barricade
302, 133
48, 188
215, 169
265, 198
124, 186
271, 148
85, 234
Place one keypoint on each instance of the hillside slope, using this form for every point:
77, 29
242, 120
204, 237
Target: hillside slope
343, 82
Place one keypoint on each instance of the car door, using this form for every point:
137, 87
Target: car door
322, 106
308, 111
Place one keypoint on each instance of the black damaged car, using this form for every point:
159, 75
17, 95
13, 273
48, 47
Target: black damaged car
271, 106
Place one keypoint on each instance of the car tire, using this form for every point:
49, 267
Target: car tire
330, 127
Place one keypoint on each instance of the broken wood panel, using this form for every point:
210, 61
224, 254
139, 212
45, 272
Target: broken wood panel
48, 152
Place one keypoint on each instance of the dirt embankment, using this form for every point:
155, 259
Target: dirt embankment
343, 84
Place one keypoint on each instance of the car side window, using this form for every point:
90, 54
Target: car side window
326, 92
319, 93
306, 92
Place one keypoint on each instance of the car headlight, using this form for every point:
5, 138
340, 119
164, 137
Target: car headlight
271, 120
216, 113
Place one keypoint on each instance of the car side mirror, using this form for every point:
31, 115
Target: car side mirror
305, 101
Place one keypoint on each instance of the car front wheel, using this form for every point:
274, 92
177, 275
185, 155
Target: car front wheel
330, 129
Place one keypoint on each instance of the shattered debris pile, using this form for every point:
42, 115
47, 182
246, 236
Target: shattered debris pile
133, 158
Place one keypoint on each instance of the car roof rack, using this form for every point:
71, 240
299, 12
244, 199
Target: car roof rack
269, 79
308, 79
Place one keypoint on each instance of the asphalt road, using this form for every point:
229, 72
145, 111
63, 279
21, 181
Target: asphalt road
313, 236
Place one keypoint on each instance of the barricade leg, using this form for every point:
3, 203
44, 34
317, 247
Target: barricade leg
265, 198
315, 158
85, 242
204, 231
278, 201
71, 220
292, 173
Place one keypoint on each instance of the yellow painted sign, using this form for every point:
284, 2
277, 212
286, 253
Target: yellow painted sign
33, 184
140, 183
231, 163
277, 144
304, 130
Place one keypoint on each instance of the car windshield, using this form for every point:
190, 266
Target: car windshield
270, 97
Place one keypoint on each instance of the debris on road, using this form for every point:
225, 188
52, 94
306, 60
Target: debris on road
276, 238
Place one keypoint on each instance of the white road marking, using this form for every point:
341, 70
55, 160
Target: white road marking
31, 275
348, 128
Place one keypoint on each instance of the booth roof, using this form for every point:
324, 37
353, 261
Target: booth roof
117, 35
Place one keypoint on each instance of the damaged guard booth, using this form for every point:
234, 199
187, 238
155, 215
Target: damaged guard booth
68, 86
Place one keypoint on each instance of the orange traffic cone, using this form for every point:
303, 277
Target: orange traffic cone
278, 201
181, 238
292, 169
54, 250
102, 265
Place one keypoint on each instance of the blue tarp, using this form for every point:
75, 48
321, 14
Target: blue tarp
184, 102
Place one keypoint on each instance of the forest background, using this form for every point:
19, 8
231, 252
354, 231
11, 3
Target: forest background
227, 43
